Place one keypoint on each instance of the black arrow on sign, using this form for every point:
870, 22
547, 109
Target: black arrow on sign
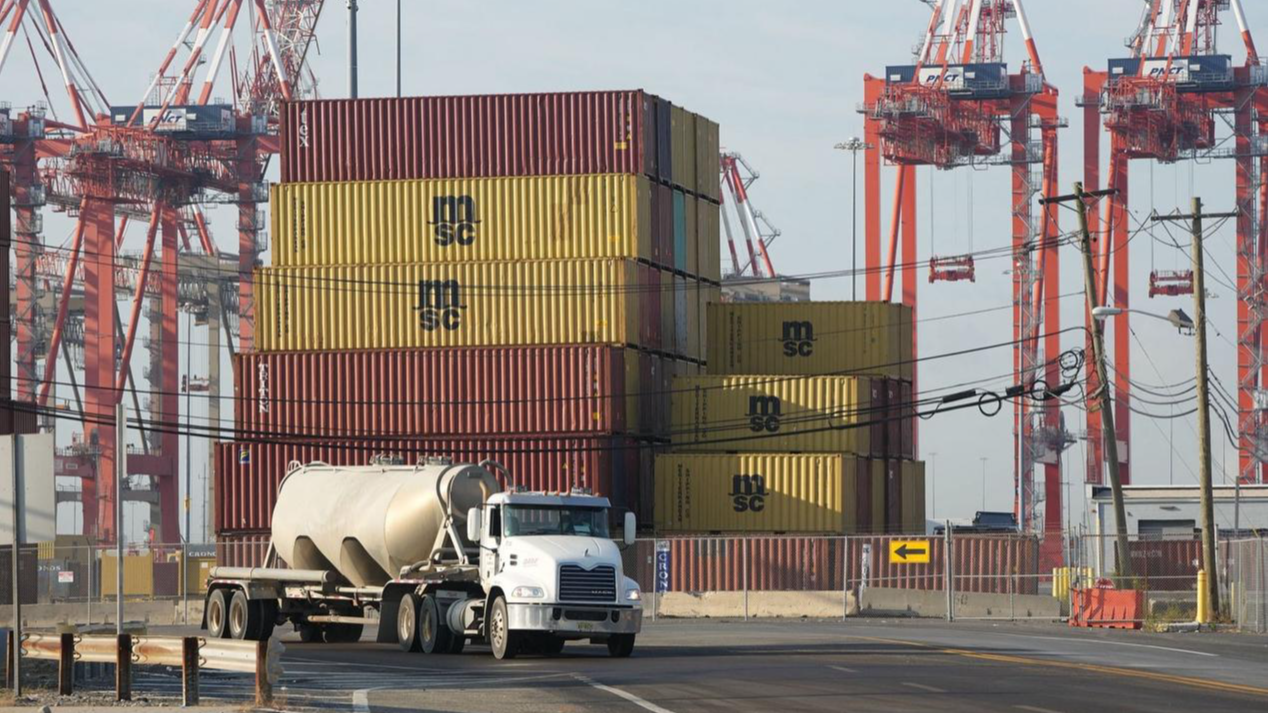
903, 550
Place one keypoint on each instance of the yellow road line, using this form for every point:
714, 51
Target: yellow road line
1095, 668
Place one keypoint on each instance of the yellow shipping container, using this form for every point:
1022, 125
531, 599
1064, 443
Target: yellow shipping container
707, 157
683, 147
461, 220
757, 492
138, 575
764, 413
607, 301
804, 338
913, 490
707, 241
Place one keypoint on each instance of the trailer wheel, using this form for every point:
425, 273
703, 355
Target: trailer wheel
407, 623
456, 643
268, 618
342, 633
504, 642
244, 617
216, 614
620, 646
434, 634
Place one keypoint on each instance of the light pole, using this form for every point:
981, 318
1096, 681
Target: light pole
983, 459
854, 145
934, 493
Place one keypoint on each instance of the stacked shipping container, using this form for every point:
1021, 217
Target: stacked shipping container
515, 277
804, 424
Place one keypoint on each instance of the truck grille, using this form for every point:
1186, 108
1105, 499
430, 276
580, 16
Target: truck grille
581, 585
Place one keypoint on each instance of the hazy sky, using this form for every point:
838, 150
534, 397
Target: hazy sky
784, 81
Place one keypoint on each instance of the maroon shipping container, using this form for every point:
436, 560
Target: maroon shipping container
469, 136
460, 391
979, 563
248, 474
894, 496
863, 496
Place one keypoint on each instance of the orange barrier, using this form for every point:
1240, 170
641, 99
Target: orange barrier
1107, 608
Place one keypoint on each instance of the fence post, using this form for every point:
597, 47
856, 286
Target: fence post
744, 572
185, 579
189, 671
66, 666
10, 649
948, 580
845, 578
264, 688
123, 667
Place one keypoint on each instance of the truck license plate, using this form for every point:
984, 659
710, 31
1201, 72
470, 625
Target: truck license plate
585, 626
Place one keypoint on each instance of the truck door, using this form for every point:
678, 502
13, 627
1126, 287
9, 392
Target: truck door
490, 540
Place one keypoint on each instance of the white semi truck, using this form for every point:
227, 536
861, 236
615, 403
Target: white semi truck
439, 554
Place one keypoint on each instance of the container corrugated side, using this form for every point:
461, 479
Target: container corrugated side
707, 240
461, 220
811, 414
913, 493
247, 474
806, 338
707, 148
683, 139
877, 472
465, 136
460, 305
756, 492
462, 391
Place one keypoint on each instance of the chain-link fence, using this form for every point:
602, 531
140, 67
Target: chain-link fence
1245, 583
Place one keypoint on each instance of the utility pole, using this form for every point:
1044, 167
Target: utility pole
15, 637
1123, 558
352, 49
1196, 217
121, 472
398, 49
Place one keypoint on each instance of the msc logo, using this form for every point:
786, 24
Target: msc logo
748, 493
454, 220
262, 386
303, 132
798, 338
764, 414
440, 302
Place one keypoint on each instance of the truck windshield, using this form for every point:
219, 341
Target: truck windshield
527, 520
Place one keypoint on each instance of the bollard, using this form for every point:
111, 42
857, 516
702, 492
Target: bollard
123, 668
66, 666
264, 688
8, 658
1201, 613
189, 671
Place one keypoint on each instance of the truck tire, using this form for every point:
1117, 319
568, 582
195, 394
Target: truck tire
217, 614
408, 624
342, 633
620, 646
268, 618
244, 617
434, 634
456, 643
549, 645
310, 633
504, 642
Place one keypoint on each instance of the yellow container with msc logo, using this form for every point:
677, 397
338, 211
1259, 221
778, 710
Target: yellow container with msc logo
757, 492
608, 301
753, 414
806, 338
461, 220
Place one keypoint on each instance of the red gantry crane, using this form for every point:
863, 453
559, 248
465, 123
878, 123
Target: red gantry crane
736, 178
958, 106
158, 160
1176, 99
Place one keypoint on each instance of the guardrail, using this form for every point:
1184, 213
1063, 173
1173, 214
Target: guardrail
190, 653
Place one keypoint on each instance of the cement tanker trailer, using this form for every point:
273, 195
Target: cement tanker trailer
438, 555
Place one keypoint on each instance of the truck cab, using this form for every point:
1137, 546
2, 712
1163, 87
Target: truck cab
553, 573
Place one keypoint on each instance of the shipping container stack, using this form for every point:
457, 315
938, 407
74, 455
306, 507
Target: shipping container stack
803, 423
515, 277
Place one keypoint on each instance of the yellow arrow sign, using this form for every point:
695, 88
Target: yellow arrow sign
910, 552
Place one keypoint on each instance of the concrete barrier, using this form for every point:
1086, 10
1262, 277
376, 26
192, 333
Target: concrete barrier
760, 604
882, 601
159, 613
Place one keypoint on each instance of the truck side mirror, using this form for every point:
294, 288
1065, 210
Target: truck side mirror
628, 531
473, 525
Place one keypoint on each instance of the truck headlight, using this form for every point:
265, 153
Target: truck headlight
633, 595
528, 593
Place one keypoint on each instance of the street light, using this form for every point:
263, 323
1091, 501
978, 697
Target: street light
1177, 318
854, 145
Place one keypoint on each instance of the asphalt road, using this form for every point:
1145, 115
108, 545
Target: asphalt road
792, 665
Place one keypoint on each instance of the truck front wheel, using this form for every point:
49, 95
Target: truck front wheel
620, 646
407, 624
504, 642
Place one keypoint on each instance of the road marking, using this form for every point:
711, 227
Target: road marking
623, 694
1035, 709
1116, 643
361, 700
924, 687
843, 668
1111, 670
